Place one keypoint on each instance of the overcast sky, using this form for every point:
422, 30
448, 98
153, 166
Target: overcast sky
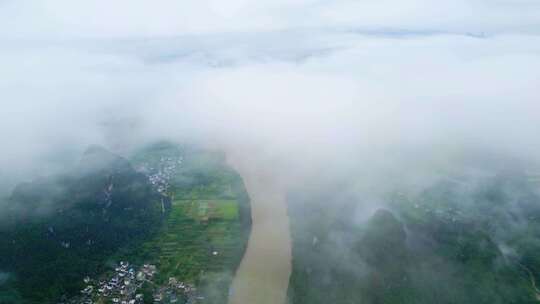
306, 81
138, 18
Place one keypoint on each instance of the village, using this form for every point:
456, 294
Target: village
160, 177
130, 284
127, 285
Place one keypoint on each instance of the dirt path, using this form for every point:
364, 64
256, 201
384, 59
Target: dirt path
263, 276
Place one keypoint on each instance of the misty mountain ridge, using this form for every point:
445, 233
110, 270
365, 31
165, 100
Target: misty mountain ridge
179, 208
70, 221
96, 158
469, 235
101, 179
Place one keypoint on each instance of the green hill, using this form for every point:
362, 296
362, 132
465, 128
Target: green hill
180, 208
463, 238
62, 228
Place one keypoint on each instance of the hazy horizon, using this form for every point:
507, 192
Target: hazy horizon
305, 82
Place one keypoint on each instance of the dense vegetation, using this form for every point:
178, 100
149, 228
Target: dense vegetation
64, 227
465, 238
205, 235
190, 218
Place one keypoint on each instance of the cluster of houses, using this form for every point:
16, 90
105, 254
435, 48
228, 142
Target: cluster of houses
121, 287
160, 177
177, 292
124, 286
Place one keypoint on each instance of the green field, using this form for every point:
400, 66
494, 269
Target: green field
180, 208
204, 235
201, 242
194, 230
204, 210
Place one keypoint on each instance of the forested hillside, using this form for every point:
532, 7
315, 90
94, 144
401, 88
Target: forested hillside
180, 208
470, 236
62, 228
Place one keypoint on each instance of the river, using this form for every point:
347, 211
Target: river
263, 275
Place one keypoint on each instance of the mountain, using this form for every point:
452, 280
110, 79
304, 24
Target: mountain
176, 209
468, 236
62, 228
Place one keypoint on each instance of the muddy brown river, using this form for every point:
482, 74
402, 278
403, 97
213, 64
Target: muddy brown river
263, 275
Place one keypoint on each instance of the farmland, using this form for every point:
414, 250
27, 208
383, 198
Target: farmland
176, 207
206, 228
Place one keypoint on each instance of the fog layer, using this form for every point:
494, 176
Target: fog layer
311, 88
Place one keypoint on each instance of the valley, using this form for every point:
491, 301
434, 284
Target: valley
201, 215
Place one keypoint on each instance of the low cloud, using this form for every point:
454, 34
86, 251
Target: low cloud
4, 276
394, 87
137, 18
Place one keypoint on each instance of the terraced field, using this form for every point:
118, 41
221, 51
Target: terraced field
199, 236
201, 242
205, 232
